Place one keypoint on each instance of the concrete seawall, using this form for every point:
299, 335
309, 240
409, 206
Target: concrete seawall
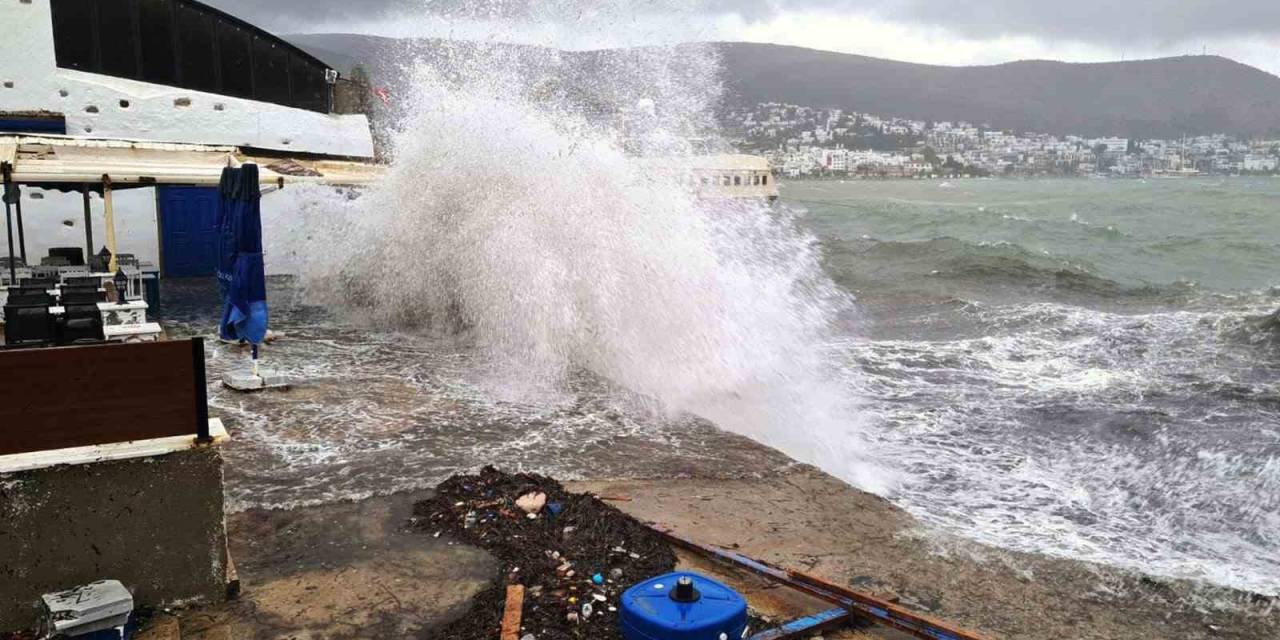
155, 524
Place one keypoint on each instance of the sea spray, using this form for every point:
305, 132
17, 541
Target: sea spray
552, 238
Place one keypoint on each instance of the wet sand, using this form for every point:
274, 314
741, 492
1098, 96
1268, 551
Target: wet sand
354, 570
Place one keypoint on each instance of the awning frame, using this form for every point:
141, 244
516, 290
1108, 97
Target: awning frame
64, 162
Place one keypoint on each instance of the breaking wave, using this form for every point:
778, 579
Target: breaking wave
556, 238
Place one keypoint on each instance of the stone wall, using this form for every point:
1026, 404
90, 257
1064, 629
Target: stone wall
155, 524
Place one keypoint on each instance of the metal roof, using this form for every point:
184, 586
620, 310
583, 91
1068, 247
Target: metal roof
299, 51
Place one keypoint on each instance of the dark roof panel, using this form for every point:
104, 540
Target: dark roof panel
255, 29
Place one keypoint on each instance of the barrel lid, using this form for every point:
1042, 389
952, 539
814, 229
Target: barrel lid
649, 609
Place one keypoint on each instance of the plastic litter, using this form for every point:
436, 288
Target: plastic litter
99, 607
532, 503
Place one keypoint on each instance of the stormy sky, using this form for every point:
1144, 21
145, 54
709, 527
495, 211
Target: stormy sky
929, 31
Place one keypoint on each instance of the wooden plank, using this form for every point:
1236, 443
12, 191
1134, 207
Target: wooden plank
94, 454
513, 613
71, 397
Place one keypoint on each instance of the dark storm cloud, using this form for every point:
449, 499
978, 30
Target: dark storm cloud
1113, 22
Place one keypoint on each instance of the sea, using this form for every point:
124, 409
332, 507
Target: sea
1080, 368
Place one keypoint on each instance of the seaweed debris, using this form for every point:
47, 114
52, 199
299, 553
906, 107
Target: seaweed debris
574, 554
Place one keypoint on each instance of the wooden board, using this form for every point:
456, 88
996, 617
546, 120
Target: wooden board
514, 612
82, 396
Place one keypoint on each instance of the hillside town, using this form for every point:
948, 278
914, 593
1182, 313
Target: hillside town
802, 141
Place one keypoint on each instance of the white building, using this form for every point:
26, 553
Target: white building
166, 81
1260, 163
1115, 147
161, 70
838, 161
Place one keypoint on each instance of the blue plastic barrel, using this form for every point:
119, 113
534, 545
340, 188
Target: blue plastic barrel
682, 606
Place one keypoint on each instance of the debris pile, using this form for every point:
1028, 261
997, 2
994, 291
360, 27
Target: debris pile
573, 554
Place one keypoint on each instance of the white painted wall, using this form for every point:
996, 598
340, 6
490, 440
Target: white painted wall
56, 219
289, 218
31, 81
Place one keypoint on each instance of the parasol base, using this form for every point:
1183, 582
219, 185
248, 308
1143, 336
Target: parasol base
246, 381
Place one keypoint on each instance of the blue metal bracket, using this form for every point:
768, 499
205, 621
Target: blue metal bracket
807, 626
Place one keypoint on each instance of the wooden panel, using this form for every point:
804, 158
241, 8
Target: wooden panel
80, 396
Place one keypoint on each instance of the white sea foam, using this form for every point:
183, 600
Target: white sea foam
1125, 475
548, 239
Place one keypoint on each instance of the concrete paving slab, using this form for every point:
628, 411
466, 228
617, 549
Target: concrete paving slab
344, 571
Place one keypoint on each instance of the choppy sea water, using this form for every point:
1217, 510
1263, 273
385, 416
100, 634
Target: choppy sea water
374, 412
1077, 368
1080, 368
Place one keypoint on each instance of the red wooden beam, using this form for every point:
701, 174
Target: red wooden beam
865, 605
512, 615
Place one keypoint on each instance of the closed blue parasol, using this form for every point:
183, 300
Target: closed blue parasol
241, 275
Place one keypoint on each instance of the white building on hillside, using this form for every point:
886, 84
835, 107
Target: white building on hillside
1260, 163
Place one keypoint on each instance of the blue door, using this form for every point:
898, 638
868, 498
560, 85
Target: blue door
189, 224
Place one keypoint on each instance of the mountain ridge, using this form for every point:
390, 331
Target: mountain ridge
1152, 98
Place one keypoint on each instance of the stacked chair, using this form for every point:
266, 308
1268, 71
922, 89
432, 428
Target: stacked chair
81, 295
73, 256
29, 322
81, 321
81, 324
82, 281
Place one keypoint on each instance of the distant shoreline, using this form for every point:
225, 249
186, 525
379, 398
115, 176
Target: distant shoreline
783, 179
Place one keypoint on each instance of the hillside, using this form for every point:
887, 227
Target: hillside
1168, 97
1152, 98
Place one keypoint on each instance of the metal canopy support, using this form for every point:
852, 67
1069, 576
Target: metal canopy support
7, 170
202, 392
111, 224
808, 626
88, 226
22, 232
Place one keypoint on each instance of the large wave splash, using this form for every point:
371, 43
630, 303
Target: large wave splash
558, 238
